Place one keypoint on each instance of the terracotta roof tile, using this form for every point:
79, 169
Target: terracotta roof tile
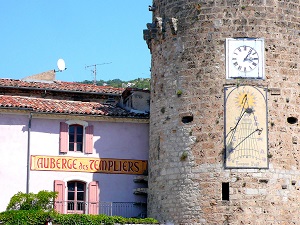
61, 86
64, 106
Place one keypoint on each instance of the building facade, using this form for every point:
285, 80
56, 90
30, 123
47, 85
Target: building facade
89, 152
224, 140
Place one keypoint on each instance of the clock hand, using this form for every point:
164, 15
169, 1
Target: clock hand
246, 58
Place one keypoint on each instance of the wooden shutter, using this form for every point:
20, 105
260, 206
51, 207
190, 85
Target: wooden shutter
89, 144
63, 138
59, 186
93, 198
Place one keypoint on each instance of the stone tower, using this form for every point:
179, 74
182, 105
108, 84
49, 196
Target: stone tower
190, 177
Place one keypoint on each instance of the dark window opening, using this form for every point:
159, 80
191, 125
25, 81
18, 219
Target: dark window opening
292, 120
82, 99
76, 196
110, 99
225, 191
75, 138
187, 119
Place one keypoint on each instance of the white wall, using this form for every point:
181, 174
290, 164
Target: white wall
13, 160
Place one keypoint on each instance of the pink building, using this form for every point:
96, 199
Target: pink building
74, 139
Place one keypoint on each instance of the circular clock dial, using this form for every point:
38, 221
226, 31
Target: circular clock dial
245, 58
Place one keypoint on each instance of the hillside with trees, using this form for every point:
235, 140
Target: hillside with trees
143, 83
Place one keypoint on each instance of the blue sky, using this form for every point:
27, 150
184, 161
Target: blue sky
36, 33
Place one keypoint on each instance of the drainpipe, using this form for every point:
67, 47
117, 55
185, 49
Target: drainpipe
28, 153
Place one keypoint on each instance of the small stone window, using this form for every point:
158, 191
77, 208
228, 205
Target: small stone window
225, 191
187, 119
292, 120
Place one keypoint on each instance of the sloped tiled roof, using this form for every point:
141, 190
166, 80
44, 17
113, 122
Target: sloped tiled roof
61, 86
65, 107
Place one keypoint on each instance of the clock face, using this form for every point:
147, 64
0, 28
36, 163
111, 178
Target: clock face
246, 142
245, 58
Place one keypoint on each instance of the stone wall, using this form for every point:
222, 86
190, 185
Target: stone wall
187, 42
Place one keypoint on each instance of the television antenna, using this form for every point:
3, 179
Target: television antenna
94, 71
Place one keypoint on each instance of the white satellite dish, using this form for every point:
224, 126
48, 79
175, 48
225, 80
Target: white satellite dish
61, 65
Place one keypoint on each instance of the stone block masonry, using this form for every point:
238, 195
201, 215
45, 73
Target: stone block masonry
186, 165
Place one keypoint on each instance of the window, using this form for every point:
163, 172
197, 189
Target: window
225, 191
76, 197
71, 197
76, 136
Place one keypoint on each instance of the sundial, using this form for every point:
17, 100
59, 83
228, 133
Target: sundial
246, 142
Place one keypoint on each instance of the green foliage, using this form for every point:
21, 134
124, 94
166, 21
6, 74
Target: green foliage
38, 217
114, 83
179, 92
142, 83
184, 155
24, 217
34, 209
40, 201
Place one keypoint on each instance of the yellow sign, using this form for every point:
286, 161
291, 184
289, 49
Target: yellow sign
89, 165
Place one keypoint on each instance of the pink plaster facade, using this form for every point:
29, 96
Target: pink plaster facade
116, 139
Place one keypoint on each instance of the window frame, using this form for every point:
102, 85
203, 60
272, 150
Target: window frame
91, 196
75, 141
75, 201
87, 137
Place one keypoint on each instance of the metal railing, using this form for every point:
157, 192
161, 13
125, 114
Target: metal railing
124, 209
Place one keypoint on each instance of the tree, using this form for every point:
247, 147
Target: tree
43, 200
142, 83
